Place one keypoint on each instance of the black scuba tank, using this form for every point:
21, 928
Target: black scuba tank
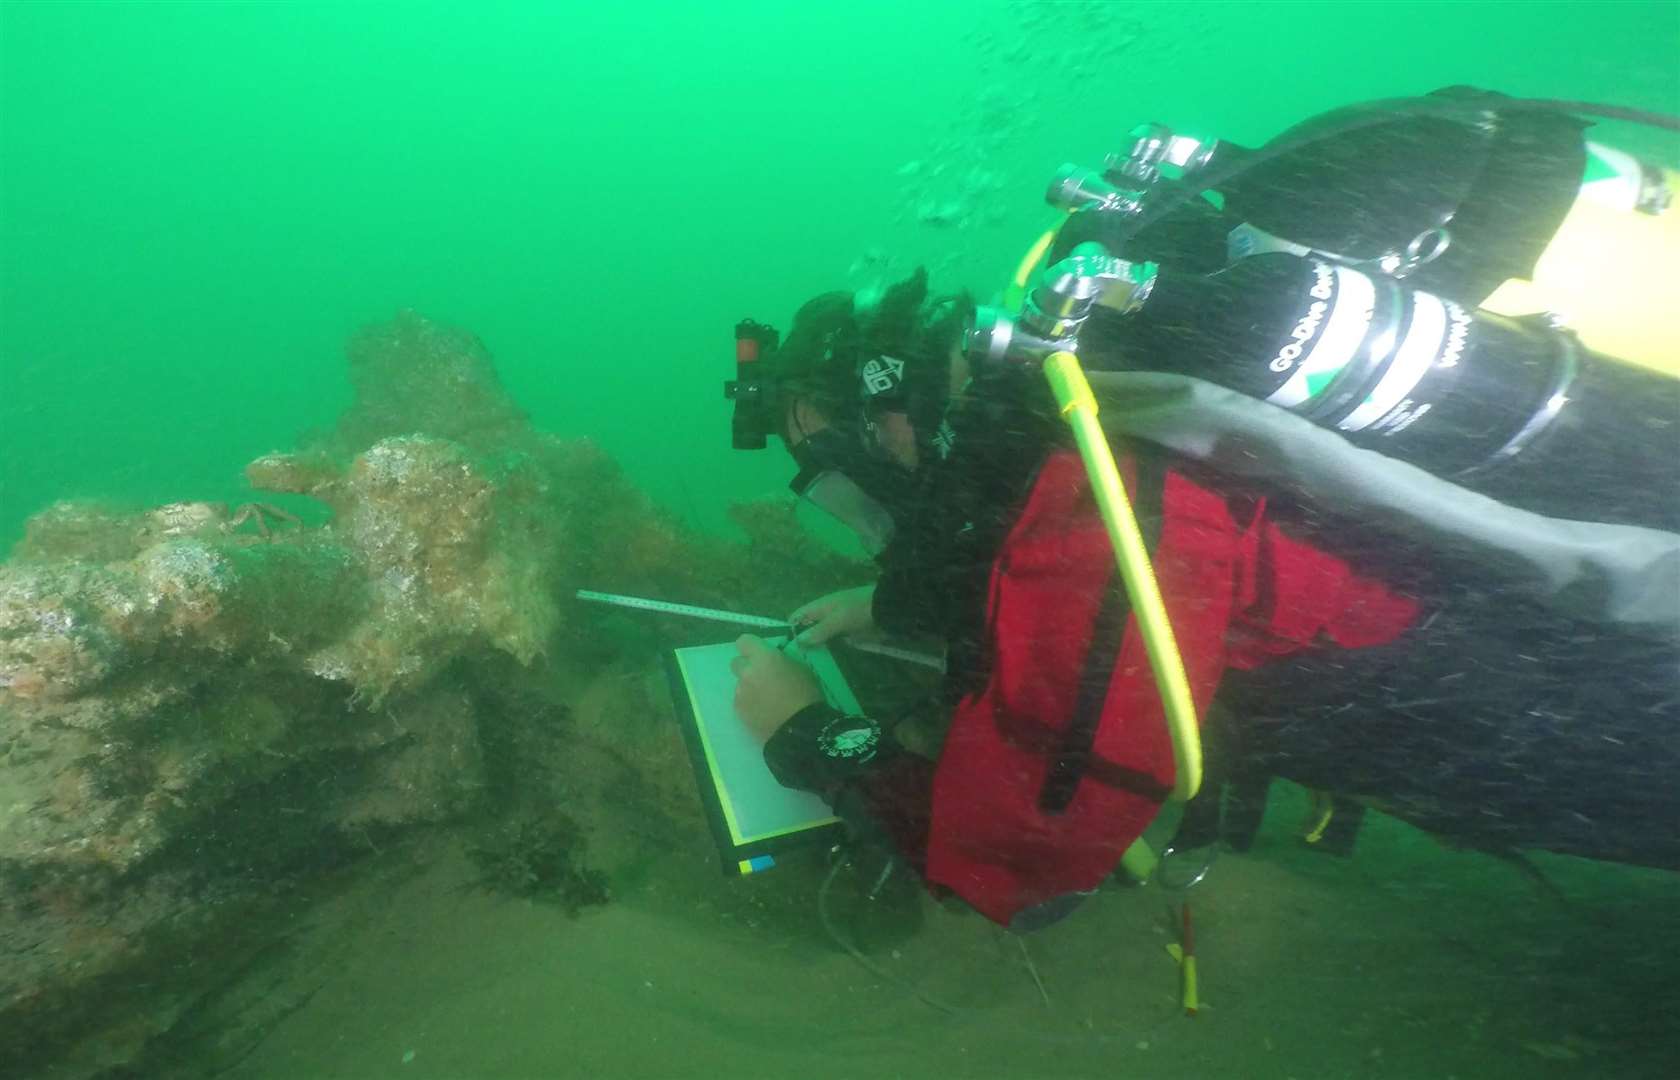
1512, 408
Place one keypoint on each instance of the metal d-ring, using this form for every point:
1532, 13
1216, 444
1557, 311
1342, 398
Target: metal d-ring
1190, 881
1438, 240
1442, 240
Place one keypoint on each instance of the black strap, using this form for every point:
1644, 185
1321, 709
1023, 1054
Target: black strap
1072, 758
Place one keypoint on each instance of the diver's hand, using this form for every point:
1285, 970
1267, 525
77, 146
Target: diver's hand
770, 687
847, 613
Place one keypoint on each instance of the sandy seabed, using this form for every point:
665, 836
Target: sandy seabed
1407, 961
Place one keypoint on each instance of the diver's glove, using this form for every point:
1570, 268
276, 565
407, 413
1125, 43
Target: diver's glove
825, 751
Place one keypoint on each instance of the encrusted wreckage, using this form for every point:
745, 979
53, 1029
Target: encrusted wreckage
199, 702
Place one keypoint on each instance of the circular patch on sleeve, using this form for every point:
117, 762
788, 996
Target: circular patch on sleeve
852, 738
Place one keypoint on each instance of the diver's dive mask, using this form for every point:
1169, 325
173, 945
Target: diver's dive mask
840, 476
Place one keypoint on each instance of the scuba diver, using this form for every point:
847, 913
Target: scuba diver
1056, 756
1415, 552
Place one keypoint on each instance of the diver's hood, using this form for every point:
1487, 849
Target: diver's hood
908, 365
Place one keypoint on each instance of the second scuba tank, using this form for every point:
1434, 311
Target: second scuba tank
1512, 408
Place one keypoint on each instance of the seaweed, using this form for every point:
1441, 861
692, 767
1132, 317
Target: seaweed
537, 856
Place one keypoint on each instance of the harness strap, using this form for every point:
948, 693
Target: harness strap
1071, 759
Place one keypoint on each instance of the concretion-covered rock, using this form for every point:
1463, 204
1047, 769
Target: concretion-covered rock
201, 703
450, 556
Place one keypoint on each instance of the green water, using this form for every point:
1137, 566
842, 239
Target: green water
200, 202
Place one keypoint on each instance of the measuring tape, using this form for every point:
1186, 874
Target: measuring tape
665, 607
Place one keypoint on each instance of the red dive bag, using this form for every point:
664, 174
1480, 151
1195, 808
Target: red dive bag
1053, 768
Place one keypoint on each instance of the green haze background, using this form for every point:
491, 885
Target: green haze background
199, 202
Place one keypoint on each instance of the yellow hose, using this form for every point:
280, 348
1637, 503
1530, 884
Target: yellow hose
1079, 408
1017, 290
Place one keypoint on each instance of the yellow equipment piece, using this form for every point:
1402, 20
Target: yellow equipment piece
1318, 817
1609, 272
1140, 861
1187, 978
